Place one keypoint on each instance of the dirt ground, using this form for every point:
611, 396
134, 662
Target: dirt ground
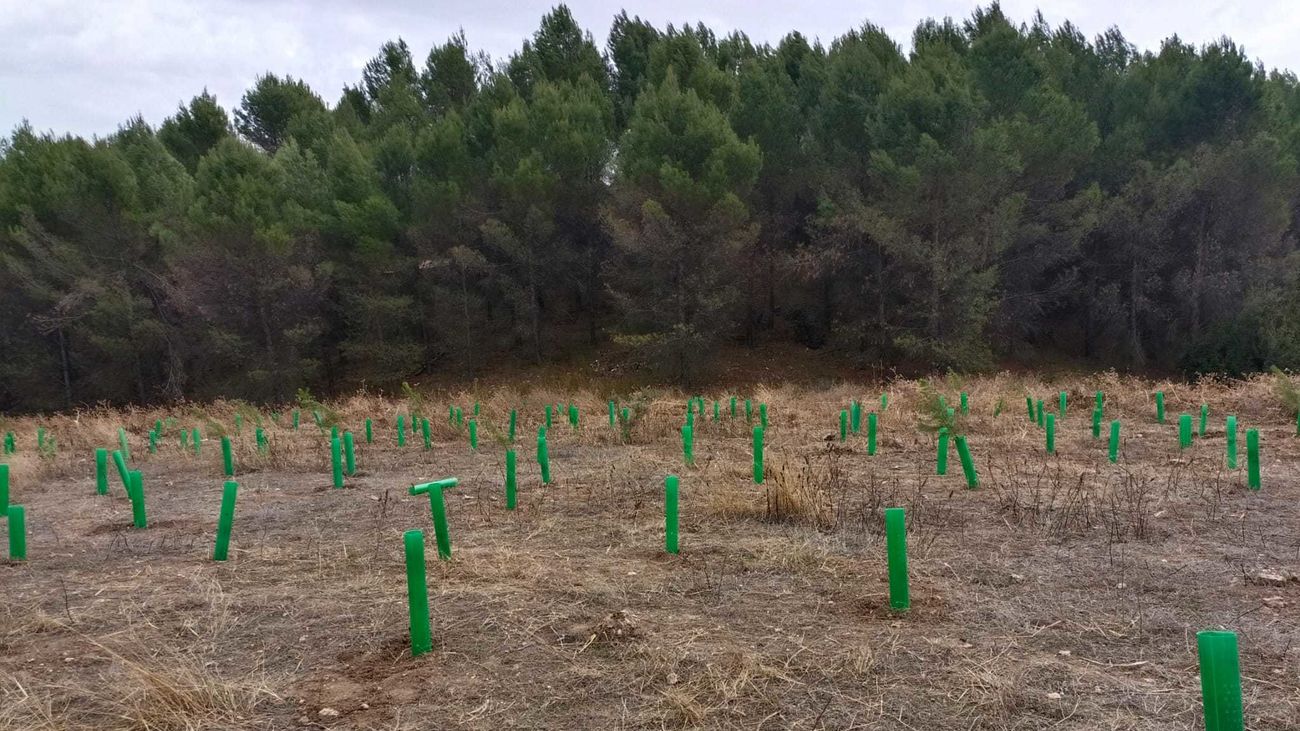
1064, 593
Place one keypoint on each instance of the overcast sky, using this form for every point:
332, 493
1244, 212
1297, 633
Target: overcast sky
84, 66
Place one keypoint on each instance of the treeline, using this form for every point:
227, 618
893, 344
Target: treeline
1003, 191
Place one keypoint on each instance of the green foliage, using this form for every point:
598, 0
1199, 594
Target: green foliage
1285, 390
936, 414
325, 416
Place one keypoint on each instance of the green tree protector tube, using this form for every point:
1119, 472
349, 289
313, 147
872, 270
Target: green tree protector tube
762, 415
11, 444
967, 464
296, 417
733, 407
451, 415
749, 411
401, 430
1051, 433
438, 507
1029, 406
349, 454
225, 521
1160, 406
884, 401
1040, 414
126, 445
460, 417
17, 519
1114, 441
101, 472
574, 418
544, 459
153, 442
473, 434
1100, 401
715, 410
239, 423
1231, 432
1184, 431
1252, 458
137, 499
855, 416
1205, 415
896, 547
871, 433
476, 408
370, 433
965, 404
941, 454
511, 485
197, 438
844, 424
514, 419
548, 416
417, 593
611, 412
1096, 423
688, 444
120, 462
758, 455
4, 487
1062, 405
336, 461
227, 458
670, 514
262, 444
424, 432
40, 438
690, 418
1220, 680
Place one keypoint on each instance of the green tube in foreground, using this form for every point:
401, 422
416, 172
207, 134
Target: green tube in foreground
1230, 431
871, 433
670, 514
101, 472
758, 455
896, 547
473, 434
1051, 433
1252, 459
417, 592
225, 520
349, 454
941, 455
1184, 431
1160, 407
511, 486
138, 517
1114, 441
16, 517
967, 464
336, 462
1220, 680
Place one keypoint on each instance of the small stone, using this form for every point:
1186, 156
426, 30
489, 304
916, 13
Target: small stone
1053, 696
1270, 578
672, 678
1063, 653
1274, 602
1017, 577
327, 712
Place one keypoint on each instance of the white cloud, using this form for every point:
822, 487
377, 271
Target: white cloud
84, 67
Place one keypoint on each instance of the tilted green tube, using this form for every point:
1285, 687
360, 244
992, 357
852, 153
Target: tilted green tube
896, 546
967, 464
122, 441
417, 592
438, 507
225, 520
120, 462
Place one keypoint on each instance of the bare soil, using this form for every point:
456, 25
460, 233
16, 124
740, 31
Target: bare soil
1065, 593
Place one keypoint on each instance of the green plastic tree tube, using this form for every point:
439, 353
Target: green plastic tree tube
296, 417
1184, 431
473, 434
424, 433
370, 433
690, 418
733, 407
611, 412
185, 439
4, 487
1100, 401
120, 462
1160, 406
855, 416
871, 434
965, 404
627, 416
1297, 424
124, 443
17, 519
548, 416
1063, 399
1113, 451
511, 485
197, 438
153, 442
451, 415
1205, 416
460, 417
438, 507
227, 458
670, 514
896, 547
1096, 423
239, 423
1220, 680
575, 419
1252, 458
941, 453
1040, 413
225, 520
1051, 433
1029, 406
334, 432
758, 455
137, 500
715, 410
762, 415
514, 419
40, 438
262, 444
477, 405
844, 424
1230, 430
884, 401
11, 444
544, 459
688, 444
336, 461
749, 411
417, 592
101, 471
401, 430
967, 464
349, 454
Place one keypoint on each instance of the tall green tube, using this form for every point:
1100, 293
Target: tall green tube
749, 411
370, 432
844, 424
574, 420
611, 412
197, 438
101, 472
941, 453
548, 416
855, 416
1051, 433
136, 492
762, 415
227, 458
1205, 416
544, 459
733, 407
438, 507
758, 455
349, 454
896, 547
1184, 431
417, 592
262, 444
17, 519
688, 444
1040, 413
1230, 429
401, 430
511, 486
871, 433
1100, 401
1220, 680
1113, 451
4, 487
473, 434
225, 520
1063, 400
336, 461
514, 419
967, 464
11, 445
125, 445
1096, 423
1252, 458
296, 416
1160, 406
965, 404
424, 433
120, 462
1029, 406
153, 442
670, 514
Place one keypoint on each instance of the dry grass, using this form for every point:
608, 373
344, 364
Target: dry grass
1063, 594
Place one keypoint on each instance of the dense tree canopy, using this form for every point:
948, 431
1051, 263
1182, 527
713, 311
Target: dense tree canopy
993, 191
